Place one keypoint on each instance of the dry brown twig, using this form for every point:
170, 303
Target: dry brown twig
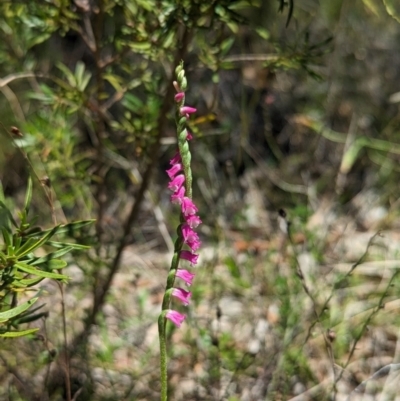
382, 372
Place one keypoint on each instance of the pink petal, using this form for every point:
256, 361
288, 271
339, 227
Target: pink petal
188, 207
183, 295
193, 221
185, 275
194, 245
190, 237
188, 233
176, 159
176, 183
178, 196
191, 257
175, 317
174, 170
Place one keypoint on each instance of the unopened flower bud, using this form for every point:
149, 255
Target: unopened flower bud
181, 75
184, 83
176, 86
186, 110
179, 96
178, 69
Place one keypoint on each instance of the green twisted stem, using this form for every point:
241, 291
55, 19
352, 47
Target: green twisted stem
186, 159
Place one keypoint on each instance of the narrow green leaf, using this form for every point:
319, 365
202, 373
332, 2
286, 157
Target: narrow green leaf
114, 80
350, 157
53, 264
6, 216
18, 333
31, 318
26, 282
32, 230
39, 39
85, 80
40, 273
393, 8
290, 13
31, 311
68, 74
233, 26
8, 239
31, 244
51, 256
56, 244
17, 284
147, 5
132, 102
169, 39
69, 228
28, 196
17, 241
373, 7
10, 251
140, 46
263, 33
7, 315
239, 5
79, 72
27, 245
226, 45
29, 282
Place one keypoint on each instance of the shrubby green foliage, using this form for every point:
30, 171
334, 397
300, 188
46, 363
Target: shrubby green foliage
21, 270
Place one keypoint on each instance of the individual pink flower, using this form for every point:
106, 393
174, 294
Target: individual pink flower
189, 136
176, 159
188, 207
190, 237
187, 110
174, 170
185, 275
179, 96
175, 317
190, 256
193, 220
188, 233
183, 295
177, 197
194, 245
176, 183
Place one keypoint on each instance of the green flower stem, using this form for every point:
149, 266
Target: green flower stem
163, 357
172, 272
186, 159
162, 320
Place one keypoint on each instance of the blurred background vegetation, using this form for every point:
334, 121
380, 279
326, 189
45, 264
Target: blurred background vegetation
296, 167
